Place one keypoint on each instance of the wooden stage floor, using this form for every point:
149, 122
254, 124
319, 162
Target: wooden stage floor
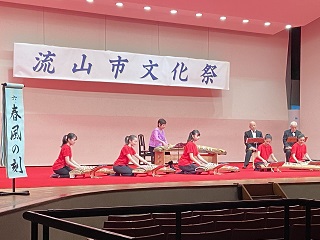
40, 195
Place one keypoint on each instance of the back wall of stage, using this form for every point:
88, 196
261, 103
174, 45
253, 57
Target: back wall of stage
310, 85
102, 114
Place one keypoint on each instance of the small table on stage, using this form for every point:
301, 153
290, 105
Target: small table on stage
160, 157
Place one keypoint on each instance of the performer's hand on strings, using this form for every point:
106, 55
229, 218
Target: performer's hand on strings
265, 163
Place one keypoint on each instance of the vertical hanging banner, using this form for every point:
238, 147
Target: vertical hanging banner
12, 138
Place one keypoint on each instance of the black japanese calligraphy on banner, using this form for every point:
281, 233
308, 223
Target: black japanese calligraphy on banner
52, 62
12, 138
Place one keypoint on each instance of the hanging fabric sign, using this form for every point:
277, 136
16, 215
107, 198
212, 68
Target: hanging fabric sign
50, 62
12, 138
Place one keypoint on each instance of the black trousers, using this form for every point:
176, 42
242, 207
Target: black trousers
63, 172
247, 157
288, 154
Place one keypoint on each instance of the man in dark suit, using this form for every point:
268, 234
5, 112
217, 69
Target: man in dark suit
251, 147
292, 132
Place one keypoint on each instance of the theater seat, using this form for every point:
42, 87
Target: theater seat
159, 236
136, 232
133, 217
214, 235
258, 233
128, 224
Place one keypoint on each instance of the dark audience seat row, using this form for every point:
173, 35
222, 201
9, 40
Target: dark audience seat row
234, 224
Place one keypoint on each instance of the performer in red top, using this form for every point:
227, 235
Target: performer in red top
264, 153
64, 164
191, 155
299, 150
121, 165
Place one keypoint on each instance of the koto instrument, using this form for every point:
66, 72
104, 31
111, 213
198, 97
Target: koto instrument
207, 149
91, 171
228, 169
271, 166
216, 168
153, 169
202, 149
309, 165
161, 157
164, 148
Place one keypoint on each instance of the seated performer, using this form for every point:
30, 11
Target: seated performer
127, 153
299, 151
251, 147
264, 153
292, 132
64, 164
191, 155
157, 137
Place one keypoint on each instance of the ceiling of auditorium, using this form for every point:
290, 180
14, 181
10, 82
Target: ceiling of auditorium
278, 12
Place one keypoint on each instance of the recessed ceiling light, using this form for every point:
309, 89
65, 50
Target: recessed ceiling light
90, 1
223, 18
173, 11
147, 8
245, 21
119, 4
288, 26
267, 24
198, 14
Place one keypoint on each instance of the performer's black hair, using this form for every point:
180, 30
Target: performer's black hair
161, 121
268, 136
67, 137
193, 133
129, 138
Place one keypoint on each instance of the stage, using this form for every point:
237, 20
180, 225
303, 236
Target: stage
43, 189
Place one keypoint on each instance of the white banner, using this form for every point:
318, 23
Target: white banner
12, 138
50, 62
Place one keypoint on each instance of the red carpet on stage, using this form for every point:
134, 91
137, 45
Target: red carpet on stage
40, 177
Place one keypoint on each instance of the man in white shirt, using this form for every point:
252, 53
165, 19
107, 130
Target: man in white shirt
251, 147
292, 132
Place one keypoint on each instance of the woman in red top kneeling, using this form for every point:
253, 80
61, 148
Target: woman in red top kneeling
264, 153
62, 166
299, 150
121, 165
191, 155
